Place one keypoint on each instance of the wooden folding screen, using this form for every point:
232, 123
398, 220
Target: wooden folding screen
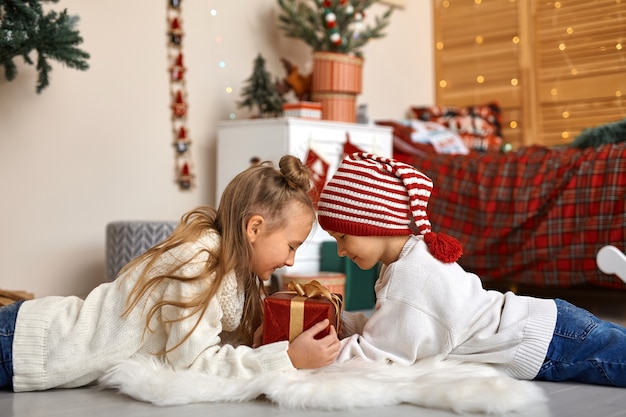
555, 67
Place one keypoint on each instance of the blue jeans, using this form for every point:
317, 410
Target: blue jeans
585, 349
8, 315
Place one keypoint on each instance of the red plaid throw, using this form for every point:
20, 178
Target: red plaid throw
536, 216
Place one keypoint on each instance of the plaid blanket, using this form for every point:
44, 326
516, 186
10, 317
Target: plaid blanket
536, 216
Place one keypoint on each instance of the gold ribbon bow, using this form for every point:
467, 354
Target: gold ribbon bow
312, 289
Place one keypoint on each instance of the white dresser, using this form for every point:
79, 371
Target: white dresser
240, 141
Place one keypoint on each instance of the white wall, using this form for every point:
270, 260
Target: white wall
95, 146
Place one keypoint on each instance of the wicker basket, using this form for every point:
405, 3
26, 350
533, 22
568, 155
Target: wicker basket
337, 80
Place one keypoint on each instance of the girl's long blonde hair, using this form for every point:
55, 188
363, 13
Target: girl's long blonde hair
259, 190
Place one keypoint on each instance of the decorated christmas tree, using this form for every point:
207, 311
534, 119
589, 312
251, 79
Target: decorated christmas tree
331, 25
261, 92
25, 27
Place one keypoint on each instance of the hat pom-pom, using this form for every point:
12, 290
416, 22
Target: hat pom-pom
443, 247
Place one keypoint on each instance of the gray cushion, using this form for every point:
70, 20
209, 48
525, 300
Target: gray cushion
125, 240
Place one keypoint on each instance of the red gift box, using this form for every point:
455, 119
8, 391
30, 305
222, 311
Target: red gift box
334, 281
288, 313
303, 109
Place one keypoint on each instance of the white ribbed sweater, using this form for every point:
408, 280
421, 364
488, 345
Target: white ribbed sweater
425, 308
70, 342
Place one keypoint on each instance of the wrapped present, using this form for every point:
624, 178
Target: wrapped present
303, 109
288, 313
334, 281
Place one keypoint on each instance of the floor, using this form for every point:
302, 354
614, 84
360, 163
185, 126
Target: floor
564, 399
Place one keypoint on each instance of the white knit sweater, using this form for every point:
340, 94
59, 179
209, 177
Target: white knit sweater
426, 308
70, 342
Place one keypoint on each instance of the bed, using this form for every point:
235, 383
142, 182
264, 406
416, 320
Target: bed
534, 216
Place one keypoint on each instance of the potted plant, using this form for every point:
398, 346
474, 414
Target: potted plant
331, 25
336, 30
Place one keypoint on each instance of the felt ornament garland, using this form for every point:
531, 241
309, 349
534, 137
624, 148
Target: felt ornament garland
178, 93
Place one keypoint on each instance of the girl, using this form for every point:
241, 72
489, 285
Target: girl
194, 299
428, 305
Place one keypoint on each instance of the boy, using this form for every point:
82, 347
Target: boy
427, 305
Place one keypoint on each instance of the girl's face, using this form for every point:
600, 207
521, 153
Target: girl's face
367, 251
273, 250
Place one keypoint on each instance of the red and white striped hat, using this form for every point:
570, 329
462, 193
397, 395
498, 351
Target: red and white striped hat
370, 195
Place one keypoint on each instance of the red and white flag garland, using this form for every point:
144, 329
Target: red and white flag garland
349, 148
178, 93
319, 171
319, 166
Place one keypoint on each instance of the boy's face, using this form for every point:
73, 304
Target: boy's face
367, 251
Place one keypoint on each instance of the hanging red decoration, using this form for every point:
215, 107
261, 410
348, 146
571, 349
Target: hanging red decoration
184, 178
177, 71
179, 107
182, 144
176, 32
178, 91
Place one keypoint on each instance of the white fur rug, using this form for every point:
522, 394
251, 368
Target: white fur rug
441, 384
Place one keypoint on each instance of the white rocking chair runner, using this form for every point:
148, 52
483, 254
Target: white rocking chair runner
611, 260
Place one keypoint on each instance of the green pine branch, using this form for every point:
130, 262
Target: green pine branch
25, 28
305, 20
301, 21
355, 41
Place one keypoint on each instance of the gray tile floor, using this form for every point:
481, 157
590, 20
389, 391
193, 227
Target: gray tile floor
564, 399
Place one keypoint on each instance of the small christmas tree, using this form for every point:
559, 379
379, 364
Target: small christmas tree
261, 92
24, 27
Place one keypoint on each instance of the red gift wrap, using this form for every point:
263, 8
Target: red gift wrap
288, 313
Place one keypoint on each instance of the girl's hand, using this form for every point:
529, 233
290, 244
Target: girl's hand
307, 352
257, 339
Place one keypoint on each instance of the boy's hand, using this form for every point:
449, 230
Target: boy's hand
307, 352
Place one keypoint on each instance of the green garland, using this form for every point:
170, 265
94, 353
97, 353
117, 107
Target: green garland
331, 25
24, 27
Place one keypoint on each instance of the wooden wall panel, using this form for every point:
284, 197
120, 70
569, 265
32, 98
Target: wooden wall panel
477, 55
555, 67
581, 66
